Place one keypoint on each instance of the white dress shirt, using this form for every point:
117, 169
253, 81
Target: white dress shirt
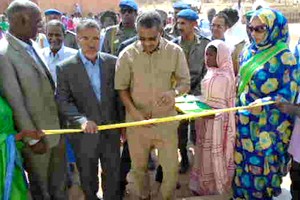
52, 60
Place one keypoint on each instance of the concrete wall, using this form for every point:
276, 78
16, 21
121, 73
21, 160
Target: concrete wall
94, 6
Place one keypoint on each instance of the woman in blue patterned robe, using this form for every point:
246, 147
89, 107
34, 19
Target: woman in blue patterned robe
268, 72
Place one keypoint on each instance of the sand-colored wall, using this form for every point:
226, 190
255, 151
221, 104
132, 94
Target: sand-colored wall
94, 6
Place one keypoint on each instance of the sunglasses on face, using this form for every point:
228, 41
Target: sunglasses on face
125, 10
259, 29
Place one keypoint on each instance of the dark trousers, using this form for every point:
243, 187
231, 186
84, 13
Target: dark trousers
295, 177
89, 148
125, 167
183, 139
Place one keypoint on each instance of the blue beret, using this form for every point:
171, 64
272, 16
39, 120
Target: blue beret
52, 12
188, 14
128, 3
181, 5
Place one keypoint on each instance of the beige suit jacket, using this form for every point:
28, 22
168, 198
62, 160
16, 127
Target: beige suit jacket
25, 85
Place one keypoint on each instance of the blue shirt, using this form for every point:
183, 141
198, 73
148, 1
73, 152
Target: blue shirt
93, 71
205, 28
52, 60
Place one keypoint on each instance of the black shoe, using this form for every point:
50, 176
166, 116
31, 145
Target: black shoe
178, 186
184, 167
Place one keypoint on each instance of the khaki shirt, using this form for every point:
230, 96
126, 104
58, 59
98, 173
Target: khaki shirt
147, 76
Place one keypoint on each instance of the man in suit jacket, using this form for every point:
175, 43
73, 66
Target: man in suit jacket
26, 84
86, 96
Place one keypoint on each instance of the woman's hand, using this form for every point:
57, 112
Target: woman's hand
286, 107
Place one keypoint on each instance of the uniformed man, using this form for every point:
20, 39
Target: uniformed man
115, 35
172, 28
70, 36
193, 46
165, 35
108, 18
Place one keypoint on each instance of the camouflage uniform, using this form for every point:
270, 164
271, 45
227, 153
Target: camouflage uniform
114, 36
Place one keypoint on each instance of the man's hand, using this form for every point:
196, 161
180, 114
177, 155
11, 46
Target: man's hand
138, 116
166, 98
36, 135
287, 107
89, 127
39, 148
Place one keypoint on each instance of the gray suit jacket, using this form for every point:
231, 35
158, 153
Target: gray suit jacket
75, 95
25, 85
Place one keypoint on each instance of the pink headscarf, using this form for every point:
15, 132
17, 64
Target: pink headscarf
224, 69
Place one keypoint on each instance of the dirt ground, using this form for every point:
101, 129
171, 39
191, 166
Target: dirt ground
75, 192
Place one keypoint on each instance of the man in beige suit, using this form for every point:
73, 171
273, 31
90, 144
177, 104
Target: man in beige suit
26, 84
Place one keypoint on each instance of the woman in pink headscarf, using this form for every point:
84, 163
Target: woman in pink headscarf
213, 162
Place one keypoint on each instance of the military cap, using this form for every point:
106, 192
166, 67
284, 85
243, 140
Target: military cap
181, 5
188, 14
129, 4
52, 12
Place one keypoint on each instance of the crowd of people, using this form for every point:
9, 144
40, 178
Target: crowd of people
59, 72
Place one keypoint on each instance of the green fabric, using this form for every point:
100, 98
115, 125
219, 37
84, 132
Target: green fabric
4, 26
19, 188
257, 62
249, 15
190, 104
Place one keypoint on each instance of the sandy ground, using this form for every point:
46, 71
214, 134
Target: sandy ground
182, 194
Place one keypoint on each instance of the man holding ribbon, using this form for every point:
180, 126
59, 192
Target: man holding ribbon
86, 97
148, 82
27, 85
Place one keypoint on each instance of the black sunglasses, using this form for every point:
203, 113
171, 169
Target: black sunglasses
125, 10
259, 29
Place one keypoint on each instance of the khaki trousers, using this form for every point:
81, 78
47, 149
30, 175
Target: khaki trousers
164, 138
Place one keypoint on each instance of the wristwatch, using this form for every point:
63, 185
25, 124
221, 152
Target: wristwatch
177, 93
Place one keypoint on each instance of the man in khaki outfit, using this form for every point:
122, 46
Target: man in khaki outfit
145, 74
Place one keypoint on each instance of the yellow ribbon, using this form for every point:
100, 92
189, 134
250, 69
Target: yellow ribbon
159, 120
